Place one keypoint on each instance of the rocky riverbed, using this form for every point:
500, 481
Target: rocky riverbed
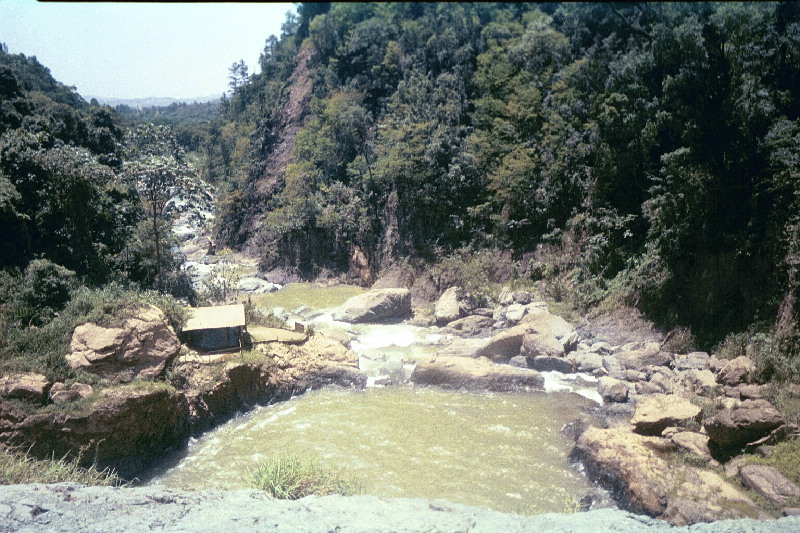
67, 507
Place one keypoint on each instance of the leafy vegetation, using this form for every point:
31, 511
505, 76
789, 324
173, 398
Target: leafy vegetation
638, 154
291, 477
42, 349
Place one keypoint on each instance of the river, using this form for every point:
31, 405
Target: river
503, 451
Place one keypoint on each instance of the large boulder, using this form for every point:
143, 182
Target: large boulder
549, 364
637, 469
474, 374
537, 344
472, 324
656, 412
692, 442
26, 385
736, 371
448, 307
257, 286
141, 348
505, 344
377, 305
702, 382
639, 359
548, 335
732, 429
613, 390
770, 483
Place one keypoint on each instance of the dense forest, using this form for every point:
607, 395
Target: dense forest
620, 154
627, 154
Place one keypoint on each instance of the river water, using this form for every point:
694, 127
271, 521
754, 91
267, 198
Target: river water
504, 451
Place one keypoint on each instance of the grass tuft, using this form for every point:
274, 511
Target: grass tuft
17, 467
290, 477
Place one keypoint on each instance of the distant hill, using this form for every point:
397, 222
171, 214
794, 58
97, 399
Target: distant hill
152, 101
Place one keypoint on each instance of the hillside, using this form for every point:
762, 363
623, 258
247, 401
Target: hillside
634, 154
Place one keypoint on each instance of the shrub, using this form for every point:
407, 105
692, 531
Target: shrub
290, 477
771, 361
679, 340
734, 345
42, 349
479, 272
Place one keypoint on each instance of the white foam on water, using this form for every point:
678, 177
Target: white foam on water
558, 382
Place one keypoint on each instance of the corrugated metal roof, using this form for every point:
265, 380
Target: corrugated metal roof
220, 316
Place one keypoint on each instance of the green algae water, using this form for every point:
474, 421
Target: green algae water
500, 451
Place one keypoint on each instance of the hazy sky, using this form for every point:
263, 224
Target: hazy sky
138, 50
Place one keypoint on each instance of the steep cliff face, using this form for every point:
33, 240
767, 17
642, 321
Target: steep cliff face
279, 144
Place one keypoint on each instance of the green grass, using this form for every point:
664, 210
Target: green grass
17, 467
255, 357
290, 477
785, 458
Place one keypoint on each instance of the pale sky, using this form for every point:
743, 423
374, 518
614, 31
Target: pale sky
139, 50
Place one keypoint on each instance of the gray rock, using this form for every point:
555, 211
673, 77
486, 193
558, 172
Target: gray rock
659, 411
84, 389
770, 483
602, 348
588, 362
695, 443
522, 297
640, 359
613, 390
541, 344
745, 392
570, 342
506, 296
27, 385
376, 305
65, 396
633, 376
648, 388
749, 422
553, 364
464, 348
736, 371
612, 364
471, 324
256, 286
474, 374
448, 307
515, 312
694, 360
702, 382
663, 380
142, 347
520, 361
505, 344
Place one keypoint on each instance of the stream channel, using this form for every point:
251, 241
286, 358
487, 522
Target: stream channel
503, 451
